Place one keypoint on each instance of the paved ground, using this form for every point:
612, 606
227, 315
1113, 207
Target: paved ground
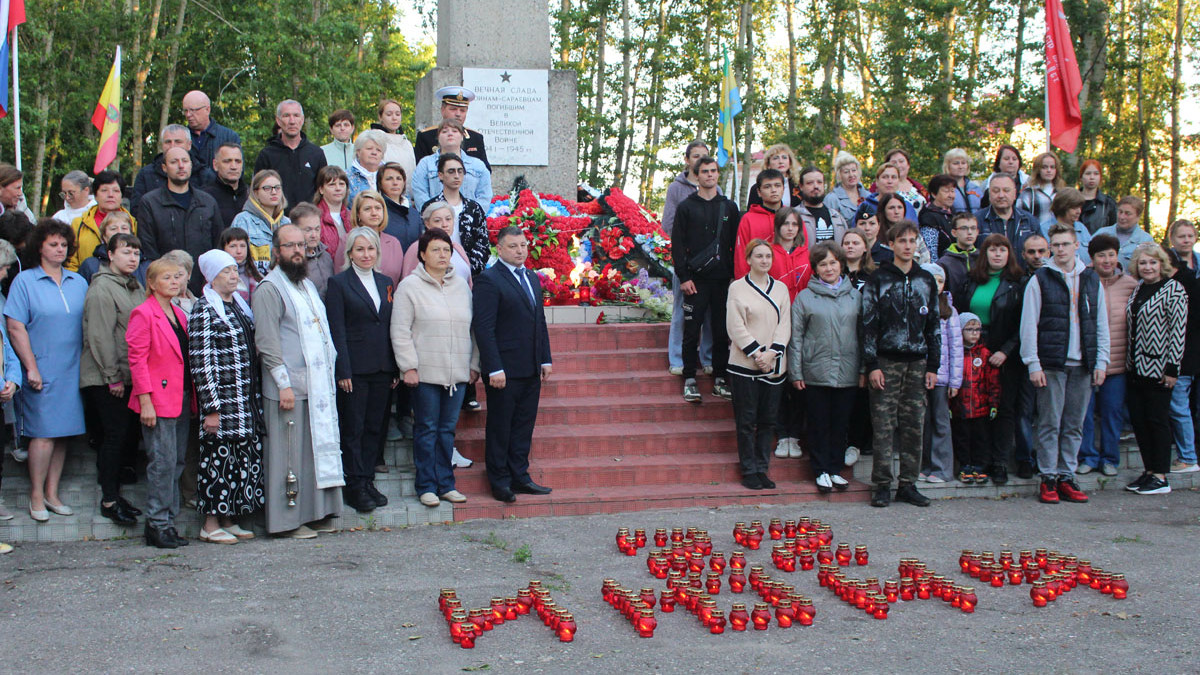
366, 601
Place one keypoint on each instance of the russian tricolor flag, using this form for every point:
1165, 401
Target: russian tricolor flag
12, 14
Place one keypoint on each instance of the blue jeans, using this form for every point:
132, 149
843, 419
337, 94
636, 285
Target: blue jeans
1107, 407
1181, 420
675, 337
435, 414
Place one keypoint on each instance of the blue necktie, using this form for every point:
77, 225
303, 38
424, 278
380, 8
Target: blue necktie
520, 272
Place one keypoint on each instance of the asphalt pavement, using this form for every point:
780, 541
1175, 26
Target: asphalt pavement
366, 601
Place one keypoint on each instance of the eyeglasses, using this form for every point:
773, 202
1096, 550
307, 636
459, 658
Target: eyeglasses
68, 196
271, 188
187, 111
455, 172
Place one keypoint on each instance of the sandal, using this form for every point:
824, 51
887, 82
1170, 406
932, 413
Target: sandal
239, 532
217, 536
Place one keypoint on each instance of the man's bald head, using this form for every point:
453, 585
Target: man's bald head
197, 109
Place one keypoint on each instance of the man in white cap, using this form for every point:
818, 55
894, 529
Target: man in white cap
455, 101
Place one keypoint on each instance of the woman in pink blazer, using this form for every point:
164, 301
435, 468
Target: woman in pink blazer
162, 395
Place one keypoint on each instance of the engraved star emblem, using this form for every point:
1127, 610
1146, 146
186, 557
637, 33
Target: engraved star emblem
506, 77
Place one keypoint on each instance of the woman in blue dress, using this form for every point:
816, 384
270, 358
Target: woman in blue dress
45, 324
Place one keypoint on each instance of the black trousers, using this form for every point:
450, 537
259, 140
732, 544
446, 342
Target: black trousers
973, 441
792, 419
755, 411
1149, 404
362, 416
511, 415
1004, 429
860, 433
118, 428
708, 301
828, 416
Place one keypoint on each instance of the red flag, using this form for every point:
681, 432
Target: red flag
1063, 83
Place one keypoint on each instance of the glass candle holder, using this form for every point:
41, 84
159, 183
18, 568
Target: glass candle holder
880, 608
739, 618
469, 633
805, 612
1032, 571
891, 590
761, 616
713, 583
739, 533
666, 601
737, 561
647, 596
1105, 583
775, 529
860, 555
1119, 586
964, 560
510, 608
806, 559
784, 615
1006, 560
716, 562
622, 537
660, 537
1083, 572
997, 575
676, 535
456, 626
566, 627
1040, 556
646, 623
737, 581
789, 529
716, 622
824, 555
524, 601
639, 537
842, 554
967, 600
1038, 594
1015, 575
908, 589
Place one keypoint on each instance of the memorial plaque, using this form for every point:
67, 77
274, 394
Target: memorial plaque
512, 110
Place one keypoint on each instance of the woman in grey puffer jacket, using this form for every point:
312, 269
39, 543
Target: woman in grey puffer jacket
823, 359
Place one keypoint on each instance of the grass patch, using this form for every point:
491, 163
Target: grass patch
523, 554
1136, 539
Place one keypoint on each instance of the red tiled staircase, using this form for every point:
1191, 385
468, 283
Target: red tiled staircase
614, 434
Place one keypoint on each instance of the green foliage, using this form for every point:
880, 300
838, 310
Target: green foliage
247, 56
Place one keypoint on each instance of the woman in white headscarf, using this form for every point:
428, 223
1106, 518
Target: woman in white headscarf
222, 358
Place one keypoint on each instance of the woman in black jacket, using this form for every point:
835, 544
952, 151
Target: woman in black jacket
994, 292
359, 306
1157, 318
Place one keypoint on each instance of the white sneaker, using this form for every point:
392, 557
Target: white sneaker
794, 450
707, 370
934, 478
20, 454
429, 499
851, 456
1184, 467
824, 481
839, 482
458, 461
783, 448
675, 370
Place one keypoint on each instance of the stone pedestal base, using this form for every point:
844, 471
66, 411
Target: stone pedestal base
561, 177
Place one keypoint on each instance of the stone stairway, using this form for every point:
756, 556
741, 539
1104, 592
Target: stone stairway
615, 435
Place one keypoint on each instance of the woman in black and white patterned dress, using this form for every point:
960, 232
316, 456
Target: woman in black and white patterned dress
222, 355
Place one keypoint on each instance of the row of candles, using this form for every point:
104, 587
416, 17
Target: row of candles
1049, 572
466, 626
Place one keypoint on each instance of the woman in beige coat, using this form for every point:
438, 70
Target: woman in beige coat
431, 337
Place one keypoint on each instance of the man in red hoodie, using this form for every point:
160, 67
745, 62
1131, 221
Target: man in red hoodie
759, 221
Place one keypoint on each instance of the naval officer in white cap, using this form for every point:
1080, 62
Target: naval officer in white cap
455, 101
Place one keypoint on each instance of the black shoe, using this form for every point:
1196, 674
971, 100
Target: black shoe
767, 483
380, 498
1154, 486
159, 538
471, 405
174, 534
881, 497
504, 495
999, 474
751, 481
117, 513
531, 488
1024, 470
129, 508
908, 493
1139, 482
359, 499
127, 475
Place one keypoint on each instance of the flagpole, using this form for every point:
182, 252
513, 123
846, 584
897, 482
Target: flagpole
16, 77
737, 183
1046, 98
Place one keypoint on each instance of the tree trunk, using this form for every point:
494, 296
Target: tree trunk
1015, 95
598, 119
1144, 139
145, 54
973, 64
948, 29
623, 131
39, 155
789, 5
1177, 66
564, 34
747, 100
169, 88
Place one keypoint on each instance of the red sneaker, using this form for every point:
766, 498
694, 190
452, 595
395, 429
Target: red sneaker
1069, 491
1048, 492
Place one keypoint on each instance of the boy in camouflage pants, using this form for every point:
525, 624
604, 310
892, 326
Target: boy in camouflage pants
901, 338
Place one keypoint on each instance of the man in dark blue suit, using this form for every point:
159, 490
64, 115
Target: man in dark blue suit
514, 352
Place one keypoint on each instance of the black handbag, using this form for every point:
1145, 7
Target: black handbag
708, 259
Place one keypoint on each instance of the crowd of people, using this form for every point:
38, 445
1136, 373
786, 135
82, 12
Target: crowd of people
260, 340
967, 327
257, 342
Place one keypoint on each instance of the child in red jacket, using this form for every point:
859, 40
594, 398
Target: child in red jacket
975, 406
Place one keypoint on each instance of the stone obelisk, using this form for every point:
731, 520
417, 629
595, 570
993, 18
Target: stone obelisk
525, 110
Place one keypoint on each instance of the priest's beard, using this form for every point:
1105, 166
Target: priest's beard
295, 271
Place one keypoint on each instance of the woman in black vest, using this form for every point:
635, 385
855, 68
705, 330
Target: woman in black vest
1157, 317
